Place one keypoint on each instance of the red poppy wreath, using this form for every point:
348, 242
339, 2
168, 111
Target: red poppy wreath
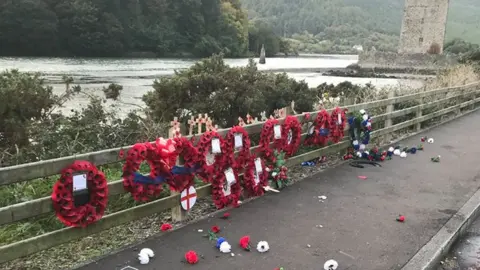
226, 187
271, 129
210, 147
292, 134
337, 123
255, 177
192, 161
321, 129
86, 178
237, 139
145, 188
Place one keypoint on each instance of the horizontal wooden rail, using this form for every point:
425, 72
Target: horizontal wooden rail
40, 206
51, 239
45, 168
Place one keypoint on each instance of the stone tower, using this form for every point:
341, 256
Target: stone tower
423, 27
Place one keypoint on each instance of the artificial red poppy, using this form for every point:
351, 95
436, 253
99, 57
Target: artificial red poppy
401, 218
245, 242
165, 227
191, 257
215, 229
226, 215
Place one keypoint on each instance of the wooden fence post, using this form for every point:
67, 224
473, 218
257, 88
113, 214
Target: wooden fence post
388, 121
177, 212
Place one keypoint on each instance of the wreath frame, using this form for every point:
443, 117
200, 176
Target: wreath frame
243, 156
291, 124
218, 195
192, 161
204, 147
255, 189
266, 136
136, 155
63, 199
337, 130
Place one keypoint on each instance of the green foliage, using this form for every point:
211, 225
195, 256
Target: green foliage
114, 27
337, 25
225, 92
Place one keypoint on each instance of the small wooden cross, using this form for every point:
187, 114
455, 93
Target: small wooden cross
209, 125
175, 128
200, 121
192, 124
263, 116
241, 122
249, 119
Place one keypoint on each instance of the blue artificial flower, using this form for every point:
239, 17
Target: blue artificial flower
324, 132
350, 120
364, 155
413, 150
220, 241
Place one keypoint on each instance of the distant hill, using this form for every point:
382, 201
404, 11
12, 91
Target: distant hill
349, 22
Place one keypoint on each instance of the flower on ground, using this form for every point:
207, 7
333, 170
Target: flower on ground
263, 246
225, 247
148, 252
226, 215
191, 257
220, 240
145, 255
215, 229
430, 140
165, 227
330, 265
245, 242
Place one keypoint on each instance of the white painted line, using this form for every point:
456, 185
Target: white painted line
128, 267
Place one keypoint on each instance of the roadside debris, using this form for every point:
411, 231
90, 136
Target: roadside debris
436, 159
401, 218
330, 265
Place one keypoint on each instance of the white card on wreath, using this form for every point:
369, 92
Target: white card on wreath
277, 132
256, 178
258, 165
339, 119
227, 190
79, 182
216, 146
289, 137
230, 176
238, 140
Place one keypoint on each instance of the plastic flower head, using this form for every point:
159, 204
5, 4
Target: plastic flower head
263, 246
165, 227
245, 242
397, 152
143, 258
191, 257
391, 149
330, 265
220, 240
362, 112
147, 252
430, 140
403, 154
225, 247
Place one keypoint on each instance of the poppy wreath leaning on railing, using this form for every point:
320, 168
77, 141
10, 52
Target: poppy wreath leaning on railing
337, 124
255, 177
70, 212
183, 176
237, 139
211, 147
226, 187
269, 130
360, 126
321, 130
292, 135
145, 188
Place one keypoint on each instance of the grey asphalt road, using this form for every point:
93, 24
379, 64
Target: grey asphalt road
355, 225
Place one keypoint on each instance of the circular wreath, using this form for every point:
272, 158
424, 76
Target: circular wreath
63, 200
266, 137
244, 152
192, 161
320, 129
254, 181
360, 126
151, 186
337, 124
219, 185
209, 160
292, 131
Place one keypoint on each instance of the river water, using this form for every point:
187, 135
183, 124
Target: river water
136, 75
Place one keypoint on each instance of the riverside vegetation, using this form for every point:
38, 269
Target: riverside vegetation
30, 133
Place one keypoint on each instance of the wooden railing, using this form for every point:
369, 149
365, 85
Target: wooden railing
464, 99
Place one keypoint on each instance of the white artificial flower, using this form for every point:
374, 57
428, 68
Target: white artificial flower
403, 154
225, 247
365, 117
330, 265
359, 154
391, 149
148, 252
355, 142
366, 152
369, 124
262, 246
143, 258
362, 147
397, 152
430, 140
362, 112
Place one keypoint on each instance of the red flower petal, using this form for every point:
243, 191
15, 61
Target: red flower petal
215, 229
165, 227
191, 257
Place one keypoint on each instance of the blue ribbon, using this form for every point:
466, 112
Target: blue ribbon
176, 170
